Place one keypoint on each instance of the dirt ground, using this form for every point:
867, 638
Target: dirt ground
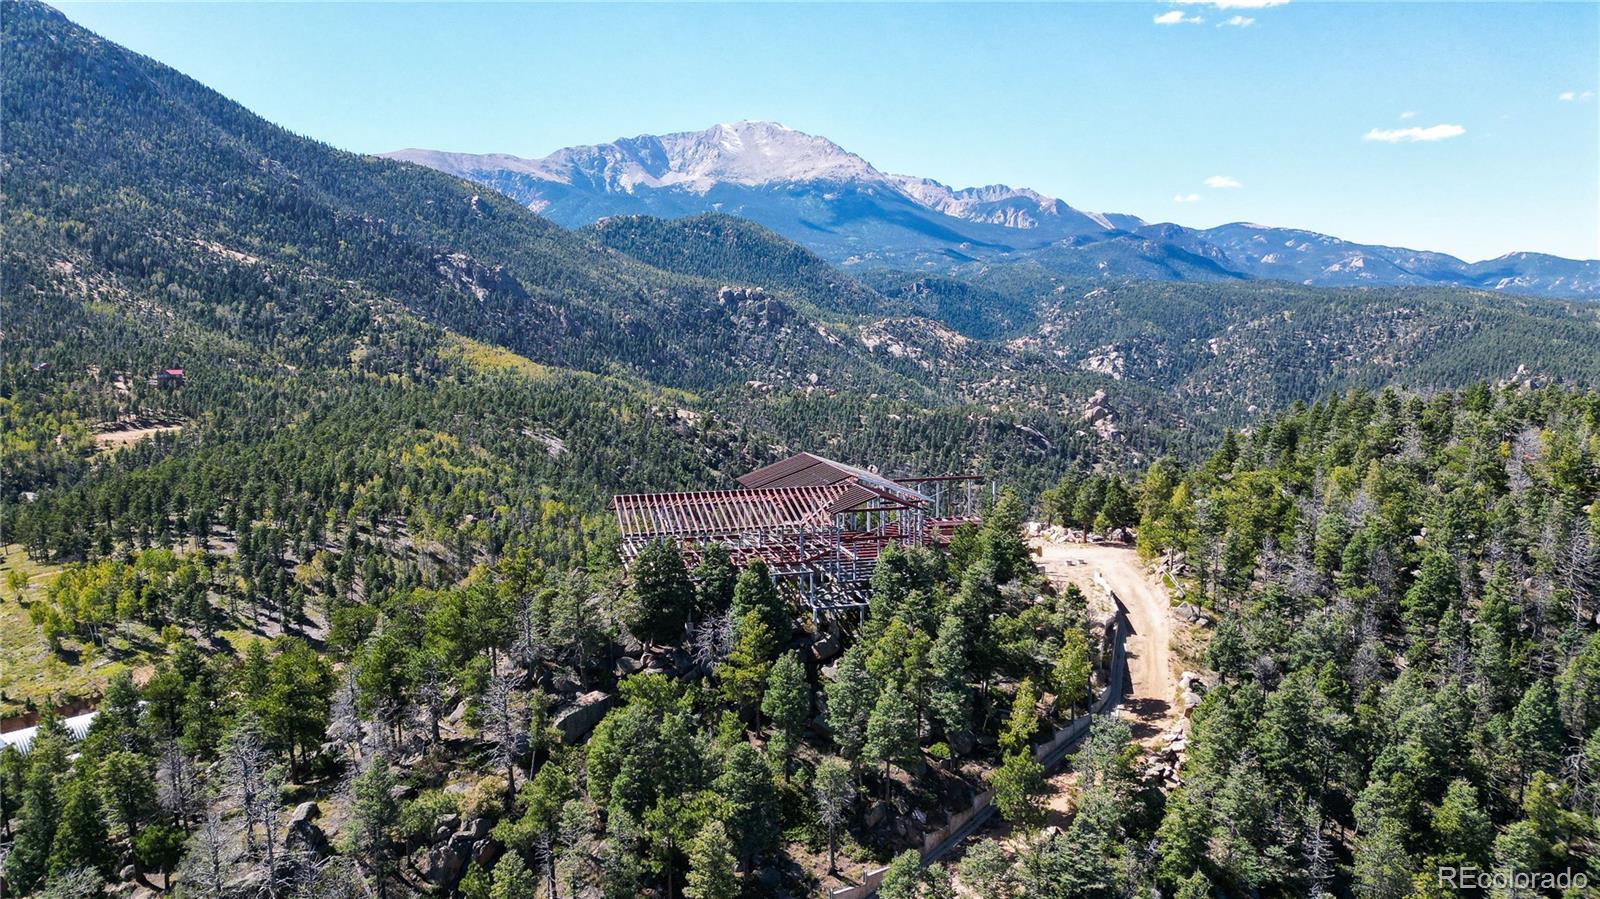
1155, 684
1150, 706
110, 440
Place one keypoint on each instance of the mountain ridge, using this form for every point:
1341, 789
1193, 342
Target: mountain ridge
811, 190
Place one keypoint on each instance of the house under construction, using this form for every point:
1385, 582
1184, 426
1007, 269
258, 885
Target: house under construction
819, 525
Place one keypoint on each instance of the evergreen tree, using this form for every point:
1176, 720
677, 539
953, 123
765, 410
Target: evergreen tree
834, 788
787, 703
950, 696
1464, 831
1073, 669
127, 789
1018, 786
744, 674
748, 800
711, 865
903, 880
852, 695
1535, 731
81, 840
891, 737
662, 596
755, 592
1000, 542
40, 813
714, 578
512, 879
374, 813
1197, 886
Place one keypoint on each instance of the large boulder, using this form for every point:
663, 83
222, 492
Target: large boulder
486, 852
576, 720
445, 862
877, 813
827, 648
304, 813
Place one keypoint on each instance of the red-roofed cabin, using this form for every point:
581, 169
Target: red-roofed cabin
170, 377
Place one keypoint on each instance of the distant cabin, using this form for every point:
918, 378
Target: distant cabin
170, 377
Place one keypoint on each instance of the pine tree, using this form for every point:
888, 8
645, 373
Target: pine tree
40, 814
851, 696
787, 703
711, 865
512, 879
903, 880
1023, 722
1197, 886
744, 673
1073, 669
81, 839
1018, 786
662, 596
1464, 831
749, 801
892, 734
714, 578
950, 693
834, 788
755, 592
1000, 542
986, 870
127, 788
373, 816
1535, 731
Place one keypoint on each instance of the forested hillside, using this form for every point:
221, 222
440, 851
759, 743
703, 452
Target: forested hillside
304, 462
1409, 659
1406, 662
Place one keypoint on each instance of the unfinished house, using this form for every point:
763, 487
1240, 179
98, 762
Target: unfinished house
819, 525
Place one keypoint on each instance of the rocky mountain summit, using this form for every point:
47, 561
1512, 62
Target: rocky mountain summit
813, 191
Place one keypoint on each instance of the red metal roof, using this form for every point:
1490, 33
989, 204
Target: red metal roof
807, 469
712, 513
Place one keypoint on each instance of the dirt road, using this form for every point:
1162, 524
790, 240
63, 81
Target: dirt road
1155, 684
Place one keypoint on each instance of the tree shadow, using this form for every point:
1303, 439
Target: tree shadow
1145, 712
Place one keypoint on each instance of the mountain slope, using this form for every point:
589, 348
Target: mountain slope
737, 251
810, 190
160, 203
169, 163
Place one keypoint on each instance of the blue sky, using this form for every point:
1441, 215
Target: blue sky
1322, 113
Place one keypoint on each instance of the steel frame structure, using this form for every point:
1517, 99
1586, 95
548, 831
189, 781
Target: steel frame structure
819, 526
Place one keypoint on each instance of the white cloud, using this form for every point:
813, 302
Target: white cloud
1234, 4
1237, 22
1223, 181
1186, 198
1408, 114
1176, 17
1574, 96
1414, 134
